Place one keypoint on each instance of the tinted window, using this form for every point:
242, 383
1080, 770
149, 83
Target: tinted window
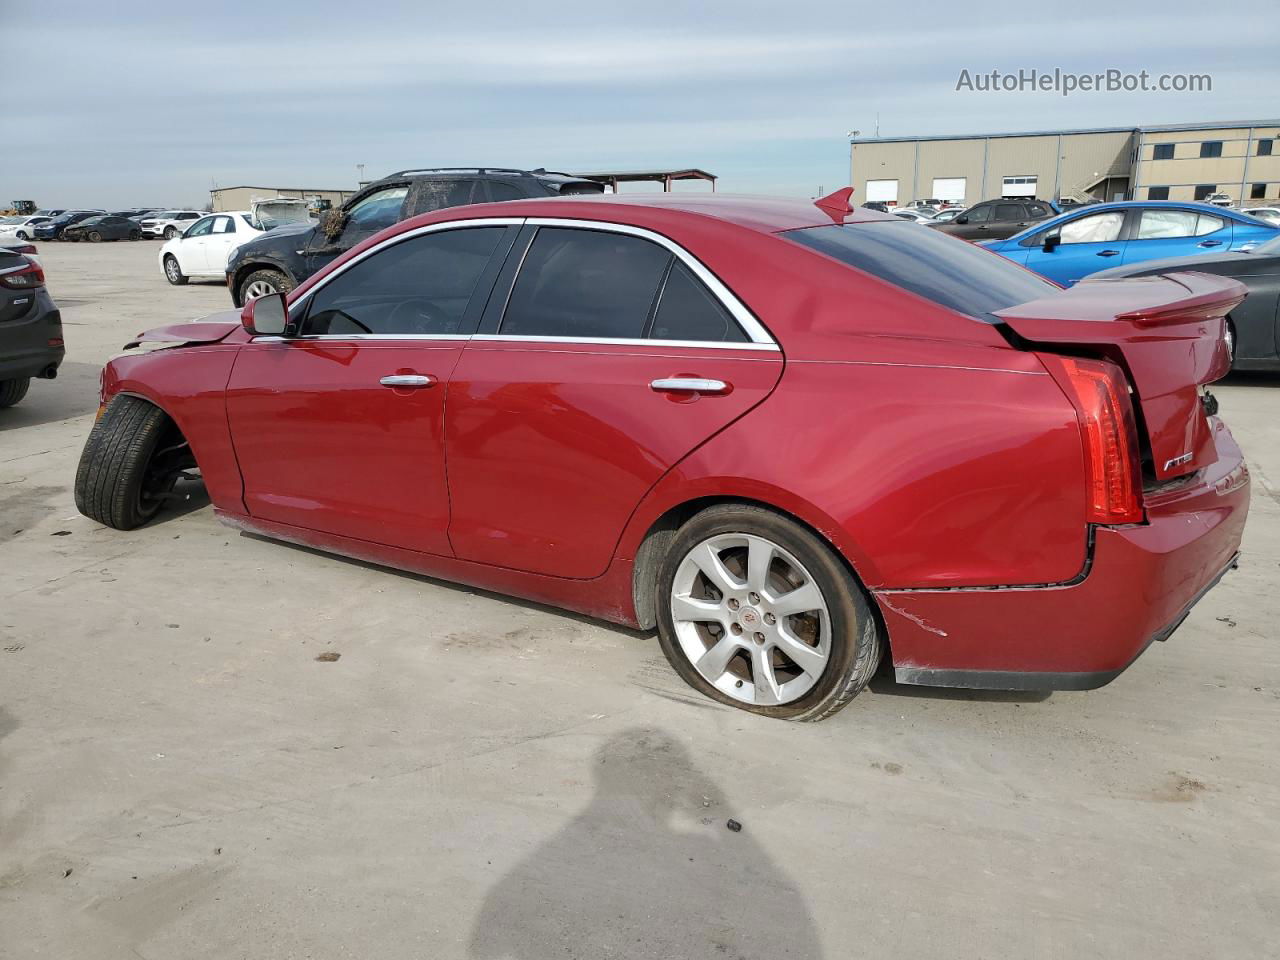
1038, 209
1008, 211
188, 216
585, 284
948, 271
378, 210
438, 194
497, 192
979, 214
418, 286
1211, 148
1162, 151
1095, 228
1157, 193
687, 310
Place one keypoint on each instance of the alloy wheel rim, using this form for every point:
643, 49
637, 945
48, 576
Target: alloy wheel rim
751, 619
171, 268
259, 288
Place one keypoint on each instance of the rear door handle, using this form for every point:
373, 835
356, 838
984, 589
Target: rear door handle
689, 385
407, 380
1209, 243
1108, 253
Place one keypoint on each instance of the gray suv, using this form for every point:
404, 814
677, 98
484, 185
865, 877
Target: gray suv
998, 219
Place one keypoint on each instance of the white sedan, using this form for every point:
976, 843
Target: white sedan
21, 227
203, 250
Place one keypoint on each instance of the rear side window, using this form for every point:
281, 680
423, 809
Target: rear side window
439, 194
928, 263
688, 311
418, 286
496, 192
1009, 211
585, 284
1160, 224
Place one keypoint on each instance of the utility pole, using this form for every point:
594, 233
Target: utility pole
359, 174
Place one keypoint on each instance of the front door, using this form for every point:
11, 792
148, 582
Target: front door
1085, 245
340, 428
218, 244
613, 357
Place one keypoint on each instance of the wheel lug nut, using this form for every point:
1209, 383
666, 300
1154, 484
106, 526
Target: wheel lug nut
770, 619
733, 604
753, 597
735, 628
759, 638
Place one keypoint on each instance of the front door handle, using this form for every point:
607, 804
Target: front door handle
407, 380
1108, 253
689, 385
1209, 243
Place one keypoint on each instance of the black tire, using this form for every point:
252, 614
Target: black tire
95, 236
855, 636
170, 232
172, 272
113, 483
11, 391
135, 235
279, 282
22, 235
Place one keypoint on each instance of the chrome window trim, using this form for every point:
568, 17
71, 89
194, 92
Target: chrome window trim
760, 339
753, 328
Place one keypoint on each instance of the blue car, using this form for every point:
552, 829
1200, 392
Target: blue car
52, 229
1088, 239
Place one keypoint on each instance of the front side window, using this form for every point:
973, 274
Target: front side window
417, 286
378, 210
979, 214
1096, 228
930, 264
200, 229
585, 284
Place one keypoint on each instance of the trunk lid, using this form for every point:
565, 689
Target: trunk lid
1165, 332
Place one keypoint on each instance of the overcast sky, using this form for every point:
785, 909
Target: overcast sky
121, 105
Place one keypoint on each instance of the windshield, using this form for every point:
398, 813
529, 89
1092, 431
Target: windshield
928, 263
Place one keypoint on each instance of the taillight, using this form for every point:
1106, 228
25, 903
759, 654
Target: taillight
1112, 475
24, 278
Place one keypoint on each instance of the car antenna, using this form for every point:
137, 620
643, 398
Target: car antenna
836, 204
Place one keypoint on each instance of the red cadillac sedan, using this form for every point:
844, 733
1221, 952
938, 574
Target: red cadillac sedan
793, 437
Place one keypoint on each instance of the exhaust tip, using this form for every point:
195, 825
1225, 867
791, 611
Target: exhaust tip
49, 373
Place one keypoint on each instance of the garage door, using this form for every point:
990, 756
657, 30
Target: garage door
1018, 187
886, 191
950, 189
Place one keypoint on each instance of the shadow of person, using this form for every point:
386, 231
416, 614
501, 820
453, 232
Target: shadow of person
648, 869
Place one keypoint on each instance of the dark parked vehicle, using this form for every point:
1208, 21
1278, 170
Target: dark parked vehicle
30, 328
55, 228
107, 226
288, 255
997, 219
1253, 327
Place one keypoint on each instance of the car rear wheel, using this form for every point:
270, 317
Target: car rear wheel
22, 235
170, 233
757, 612
95, 236
260, 283
135, 235
131, 461
173, 272
11, 391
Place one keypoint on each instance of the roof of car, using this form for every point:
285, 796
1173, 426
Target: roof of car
764, 214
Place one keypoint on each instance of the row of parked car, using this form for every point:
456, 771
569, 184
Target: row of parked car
98, 225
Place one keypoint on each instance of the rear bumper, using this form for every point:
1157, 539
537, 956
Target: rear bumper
1140, 584
24, 343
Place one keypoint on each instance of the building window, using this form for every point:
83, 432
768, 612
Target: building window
1157, 193
1163, 151
1211, 148
1018, 187
1257, 191
1204, 189
1264, 148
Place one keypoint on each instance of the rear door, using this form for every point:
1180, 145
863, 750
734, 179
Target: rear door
1171, 232
607, 354
340, 429
1086, 244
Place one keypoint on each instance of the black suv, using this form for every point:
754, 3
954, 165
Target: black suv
997, 219
289, 254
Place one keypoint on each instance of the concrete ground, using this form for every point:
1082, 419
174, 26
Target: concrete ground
480, 777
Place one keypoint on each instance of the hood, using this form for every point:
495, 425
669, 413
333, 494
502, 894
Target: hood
281, 211
212, 329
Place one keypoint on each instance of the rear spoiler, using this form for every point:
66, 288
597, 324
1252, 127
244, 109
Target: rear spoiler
1141, 301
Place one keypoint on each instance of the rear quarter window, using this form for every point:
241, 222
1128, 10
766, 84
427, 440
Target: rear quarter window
928, 263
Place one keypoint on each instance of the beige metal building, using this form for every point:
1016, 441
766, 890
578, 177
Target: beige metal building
240, 198
1174, 162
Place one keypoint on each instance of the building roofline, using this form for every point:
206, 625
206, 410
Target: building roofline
249, 186
1151, 128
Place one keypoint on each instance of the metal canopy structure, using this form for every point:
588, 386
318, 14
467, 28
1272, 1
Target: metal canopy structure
665, 177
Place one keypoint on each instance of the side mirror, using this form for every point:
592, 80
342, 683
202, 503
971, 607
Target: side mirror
963, 218
1051, 242
266, 316
331, 223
